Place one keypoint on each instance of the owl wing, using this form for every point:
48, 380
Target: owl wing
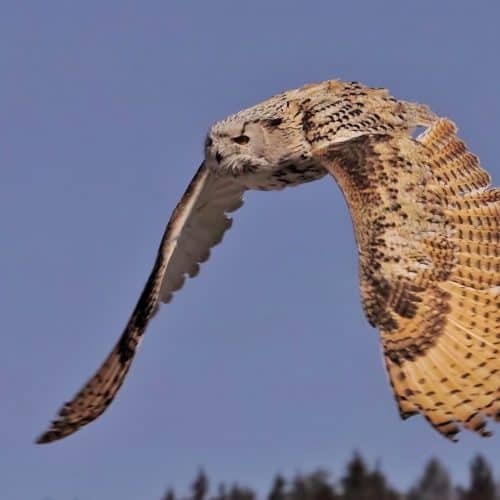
427, 226
198, 223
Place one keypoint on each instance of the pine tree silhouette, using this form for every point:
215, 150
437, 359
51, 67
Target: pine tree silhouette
238, 493
169, 495
278, 489
482, 485
199, 487
434, 484
312, 486
354, 483
359, 482
378, 489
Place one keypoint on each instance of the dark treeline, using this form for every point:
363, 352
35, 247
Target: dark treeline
358, 482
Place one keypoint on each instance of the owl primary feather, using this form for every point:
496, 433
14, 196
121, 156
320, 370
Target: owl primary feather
427, 227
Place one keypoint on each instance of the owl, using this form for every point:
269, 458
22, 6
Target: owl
427, 228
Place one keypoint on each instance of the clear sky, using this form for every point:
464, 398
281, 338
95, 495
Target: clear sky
265, 362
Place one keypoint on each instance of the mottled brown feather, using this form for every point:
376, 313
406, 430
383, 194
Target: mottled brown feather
197, 223
428, 232
427, 226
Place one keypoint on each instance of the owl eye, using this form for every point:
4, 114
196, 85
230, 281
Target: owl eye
241, 139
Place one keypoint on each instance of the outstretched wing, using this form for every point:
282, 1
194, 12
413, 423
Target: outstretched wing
197, 223
427, 227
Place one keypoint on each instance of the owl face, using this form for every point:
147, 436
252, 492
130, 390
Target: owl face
247, 145
237, 147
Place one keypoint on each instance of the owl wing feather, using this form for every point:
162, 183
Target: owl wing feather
197, 223
427, 227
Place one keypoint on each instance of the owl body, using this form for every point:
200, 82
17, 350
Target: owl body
427, 227
271, 145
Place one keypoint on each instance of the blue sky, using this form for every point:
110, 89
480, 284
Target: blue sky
264, 363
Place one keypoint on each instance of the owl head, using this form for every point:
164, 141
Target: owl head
257, 141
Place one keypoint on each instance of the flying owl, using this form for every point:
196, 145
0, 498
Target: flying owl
427, 228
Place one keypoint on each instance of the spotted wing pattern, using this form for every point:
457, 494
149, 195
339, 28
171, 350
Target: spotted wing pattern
197, 223
427, 226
